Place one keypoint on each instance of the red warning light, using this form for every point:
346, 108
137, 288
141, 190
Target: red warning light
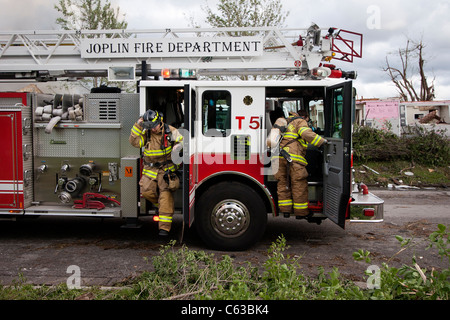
165, 73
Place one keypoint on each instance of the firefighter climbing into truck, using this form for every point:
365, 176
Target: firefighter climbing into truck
63, 164
292, 186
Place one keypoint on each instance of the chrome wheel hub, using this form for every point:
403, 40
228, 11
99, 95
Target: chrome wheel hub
230, 218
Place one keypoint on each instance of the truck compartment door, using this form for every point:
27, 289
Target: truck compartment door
11, 188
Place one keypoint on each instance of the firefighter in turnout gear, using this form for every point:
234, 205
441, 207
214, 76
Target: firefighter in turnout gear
292, 187
159, 179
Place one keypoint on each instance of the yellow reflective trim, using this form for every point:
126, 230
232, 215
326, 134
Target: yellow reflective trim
150, 173
172, 168
154, 174
160, 152
137, 130
134, 130
301, 205
291, 135
165, 219
284, 203
298, 158
301, 130
316, 140
303, 143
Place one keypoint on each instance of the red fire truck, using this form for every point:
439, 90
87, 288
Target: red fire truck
69, 155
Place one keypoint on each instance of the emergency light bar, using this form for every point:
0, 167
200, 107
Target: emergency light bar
178, 74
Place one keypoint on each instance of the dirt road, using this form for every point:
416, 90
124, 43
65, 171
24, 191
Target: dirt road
42, 249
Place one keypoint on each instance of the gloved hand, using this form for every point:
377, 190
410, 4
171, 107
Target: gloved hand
177, 147
176, 155
322, 146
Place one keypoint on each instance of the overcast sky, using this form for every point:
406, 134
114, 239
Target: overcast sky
385, 24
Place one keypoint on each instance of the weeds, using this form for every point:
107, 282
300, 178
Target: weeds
370, 144
411, 282
180, 273
424, 147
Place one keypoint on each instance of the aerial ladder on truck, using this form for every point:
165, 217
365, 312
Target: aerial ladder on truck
68, 154
71, 54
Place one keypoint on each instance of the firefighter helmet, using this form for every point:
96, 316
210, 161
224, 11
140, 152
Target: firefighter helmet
151, 119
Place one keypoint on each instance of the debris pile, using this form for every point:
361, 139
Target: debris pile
431, 117
409, 177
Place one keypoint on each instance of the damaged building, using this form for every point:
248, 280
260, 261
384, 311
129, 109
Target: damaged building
397, 116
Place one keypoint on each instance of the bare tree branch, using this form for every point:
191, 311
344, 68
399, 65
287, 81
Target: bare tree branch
403, 77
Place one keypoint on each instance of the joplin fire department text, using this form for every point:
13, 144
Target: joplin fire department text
169, 47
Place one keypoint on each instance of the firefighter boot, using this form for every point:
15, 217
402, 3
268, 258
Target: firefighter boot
303, 214
164, 224
163, 233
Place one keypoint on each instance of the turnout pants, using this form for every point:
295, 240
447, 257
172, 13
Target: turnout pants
293, 190
156, 190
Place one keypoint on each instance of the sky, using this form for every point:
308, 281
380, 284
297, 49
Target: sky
385, 25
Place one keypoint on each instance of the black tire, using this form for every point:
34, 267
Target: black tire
230, 216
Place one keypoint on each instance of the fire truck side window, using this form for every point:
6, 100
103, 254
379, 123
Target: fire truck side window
216, 113
316, 116
337, 112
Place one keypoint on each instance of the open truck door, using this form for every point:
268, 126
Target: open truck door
189, 156
337, 152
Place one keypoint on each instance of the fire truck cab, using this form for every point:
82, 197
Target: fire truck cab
228, 186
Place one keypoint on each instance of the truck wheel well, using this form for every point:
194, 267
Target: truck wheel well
237, 178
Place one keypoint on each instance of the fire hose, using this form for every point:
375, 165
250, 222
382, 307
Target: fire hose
89, 201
